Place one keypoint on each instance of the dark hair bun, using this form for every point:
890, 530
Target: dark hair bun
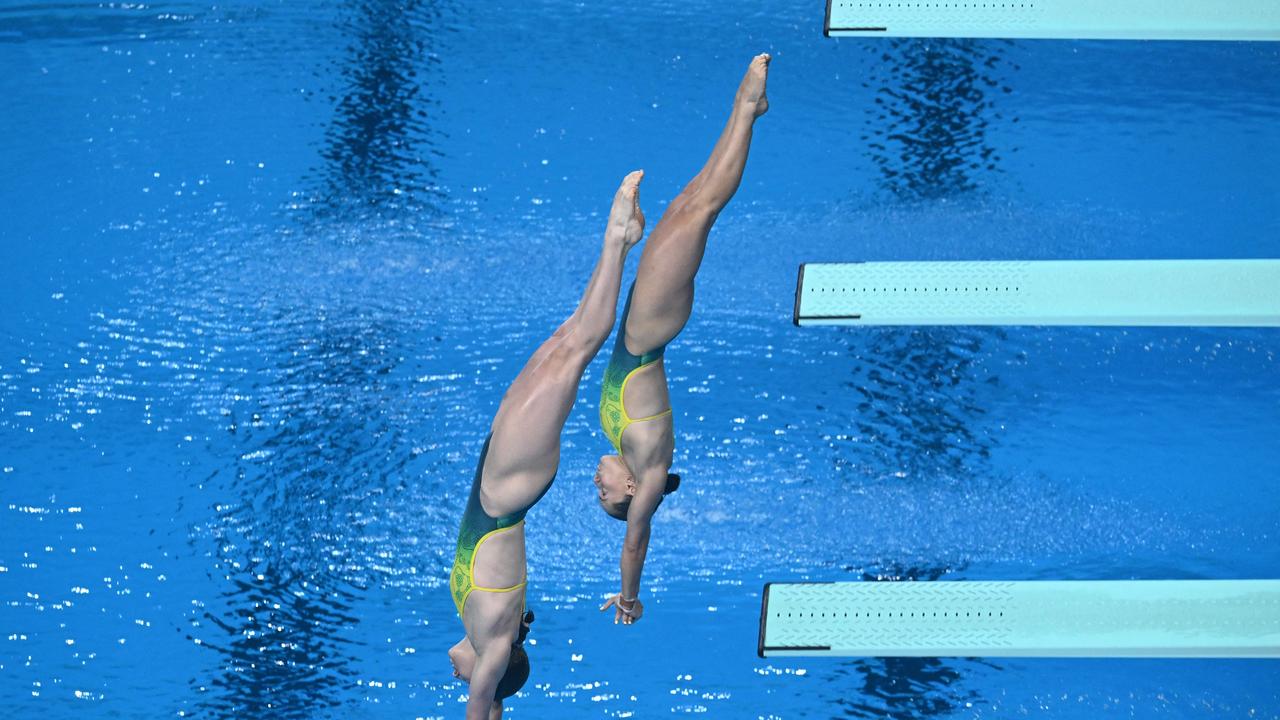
525, 622
673, 484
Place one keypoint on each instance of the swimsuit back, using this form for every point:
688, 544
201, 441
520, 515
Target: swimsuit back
478, 526
622, 366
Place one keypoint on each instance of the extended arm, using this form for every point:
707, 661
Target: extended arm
635, 547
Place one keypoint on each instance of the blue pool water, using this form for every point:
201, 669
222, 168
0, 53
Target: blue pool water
268, 267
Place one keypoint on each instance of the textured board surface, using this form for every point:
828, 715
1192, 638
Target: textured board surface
1066, 19
1050, 292
1138, 618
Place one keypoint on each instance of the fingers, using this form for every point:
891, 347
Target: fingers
621, 615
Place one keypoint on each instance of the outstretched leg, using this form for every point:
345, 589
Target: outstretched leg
526, 431
664, 283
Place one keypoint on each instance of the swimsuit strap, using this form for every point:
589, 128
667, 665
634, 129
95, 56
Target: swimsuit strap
664, 413
513, 588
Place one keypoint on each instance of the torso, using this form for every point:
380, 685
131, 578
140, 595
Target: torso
500, 560
635, 405
648, 442
490, 553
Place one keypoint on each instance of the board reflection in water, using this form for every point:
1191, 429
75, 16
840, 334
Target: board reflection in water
314, 442
919, 398
935, 102
379, 147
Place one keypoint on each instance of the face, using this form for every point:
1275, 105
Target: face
463, 658
613, 480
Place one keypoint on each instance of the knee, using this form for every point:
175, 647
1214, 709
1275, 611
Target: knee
569, 361
696, 208
578, 344
566, 328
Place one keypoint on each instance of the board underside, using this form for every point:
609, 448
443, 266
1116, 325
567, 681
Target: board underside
1058, 19
1052, 292
1138, 618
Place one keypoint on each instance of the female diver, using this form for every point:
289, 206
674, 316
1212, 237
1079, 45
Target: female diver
635, 410
516, 467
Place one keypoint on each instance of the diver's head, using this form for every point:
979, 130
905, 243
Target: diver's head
515, 676
463, 658
518, 664
615, 486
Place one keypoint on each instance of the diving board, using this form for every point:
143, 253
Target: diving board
1077, 618
1240, 293
1064, 19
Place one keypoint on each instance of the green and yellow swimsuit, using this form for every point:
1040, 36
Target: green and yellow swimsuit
622, 367
478, 526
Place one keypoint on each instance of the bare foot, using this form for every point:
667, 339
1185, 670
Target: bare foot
626, 220
751, 92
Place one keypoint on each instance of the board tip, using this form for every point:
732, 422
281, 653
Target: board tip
764, 613
795, 310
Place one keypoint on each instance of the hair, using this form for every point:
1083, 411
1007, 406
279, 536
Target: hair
516, 675
618, 510
518, 666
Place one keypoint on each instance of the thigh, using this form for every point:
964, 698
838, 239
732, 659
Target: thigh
663, 297
524, 450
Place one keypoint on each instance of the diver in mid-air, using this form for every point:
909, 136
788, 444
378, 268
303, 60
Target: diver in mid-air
519, 459
635, 407
516, 467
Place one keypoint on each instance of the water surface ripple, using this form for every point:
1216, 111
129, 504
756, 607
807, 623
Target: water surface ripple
269, 269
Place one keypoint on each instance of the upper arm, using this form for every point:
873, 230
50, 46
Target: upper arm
491, 664
492, 621
640, 514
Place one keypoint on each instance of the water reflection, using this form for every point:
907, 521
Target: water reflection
283, 647
922, 411
95, 23
902, 688
934, 102
379, 145
314, 443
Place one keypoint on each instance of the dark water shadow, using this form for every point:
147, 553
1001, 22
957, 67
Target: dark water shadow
378, 149
920, 399
283, 650
316, 444
935, 102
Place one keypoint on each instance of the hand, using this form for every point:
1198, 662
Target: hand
626, 612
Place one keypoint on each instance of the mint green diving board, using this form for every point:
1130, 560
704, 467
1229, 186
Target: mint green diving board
1047, 292
1079, 618
1066, 19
